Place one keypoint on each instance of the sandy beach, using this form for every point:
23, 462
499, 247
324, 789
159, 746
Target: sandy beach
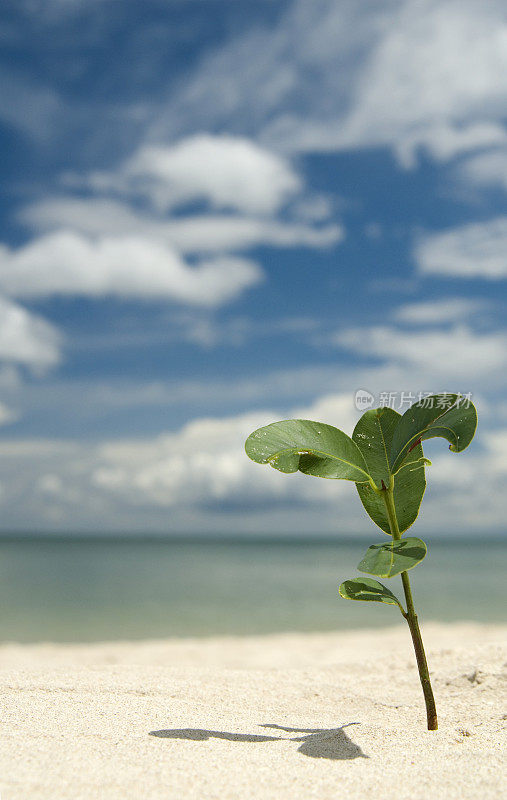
280, 716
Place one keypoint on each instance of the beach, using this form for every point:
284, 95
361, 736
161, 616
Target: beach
310, 715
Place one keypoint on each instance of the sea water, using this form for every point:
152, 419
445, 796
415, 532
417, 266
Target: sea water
76, 588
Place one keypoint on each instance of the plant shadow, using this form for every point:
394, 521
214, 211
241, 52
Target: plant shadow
331, 743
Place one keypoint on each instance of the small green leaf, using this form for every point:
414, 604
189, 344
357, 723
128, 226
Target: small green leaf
369, 590
311, 447
450, 416
373, 435
391, 558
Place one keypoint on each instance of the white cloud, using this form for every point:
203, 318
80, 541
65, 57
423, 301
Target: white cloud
444, 142
237, 331
78, 402
496, 443
477, 250
197, 476
189, 472
89, 404
200, 233
485, 170
333, 409
101, 246
433, 78
227, 172
466, 490
458, 353
205, 461
307, 72
406, 74
68, 263
27, 339
315, 208
91, 216
451, 309
214, 233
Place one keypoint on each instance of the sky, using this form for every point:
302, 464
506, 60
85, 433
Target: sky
218, 214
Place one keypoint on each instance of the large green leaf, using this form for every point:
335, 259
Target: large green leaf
311, 447
391, 558
373, 435
451, 416
369, 590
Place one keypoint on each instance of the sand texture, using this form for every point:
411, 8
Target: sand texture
299, 716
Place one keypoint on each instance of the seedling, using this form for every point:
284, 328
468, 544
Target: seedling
385, 460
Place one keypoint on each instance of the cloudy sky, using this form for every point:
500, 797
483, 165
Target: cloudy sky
218, 214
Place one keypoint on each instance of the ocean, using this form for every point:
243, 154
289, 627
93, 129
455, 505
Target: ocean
81, 589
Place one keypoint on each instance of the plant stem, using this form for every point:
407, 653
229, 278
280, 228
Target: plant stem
411, 617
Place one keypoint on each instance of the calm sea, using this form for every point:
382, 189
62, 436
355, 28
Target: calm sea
88, 589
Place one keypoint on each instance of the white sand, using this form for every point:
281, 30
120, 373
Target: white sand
294, 716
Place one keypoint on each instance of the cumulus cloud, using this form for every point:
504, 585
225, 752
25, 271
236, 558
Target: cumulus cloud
194, 474
476, 250
228, 172
101, 245
205, 460
467, 494
199, 233
26, 338
67, 263
457, 353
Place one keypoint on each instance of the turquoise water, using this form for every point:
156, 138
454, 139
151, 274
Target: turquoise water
87, 589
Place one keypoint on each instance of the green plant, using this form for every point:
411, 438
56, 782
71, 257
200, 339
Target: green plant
385, 459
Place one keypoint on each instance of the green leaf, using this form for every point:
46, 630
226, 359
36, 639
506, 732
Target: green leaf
311, 447
369, 590
450, 416
373, 435
391, 558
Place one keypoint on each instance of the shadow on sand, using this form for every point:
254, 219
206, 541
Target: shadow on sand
316, 743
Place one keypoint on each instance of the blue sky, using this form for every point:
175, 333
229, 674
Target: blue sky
218, 214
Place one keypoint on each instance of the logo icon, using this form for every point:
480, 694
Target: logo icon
363, 399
